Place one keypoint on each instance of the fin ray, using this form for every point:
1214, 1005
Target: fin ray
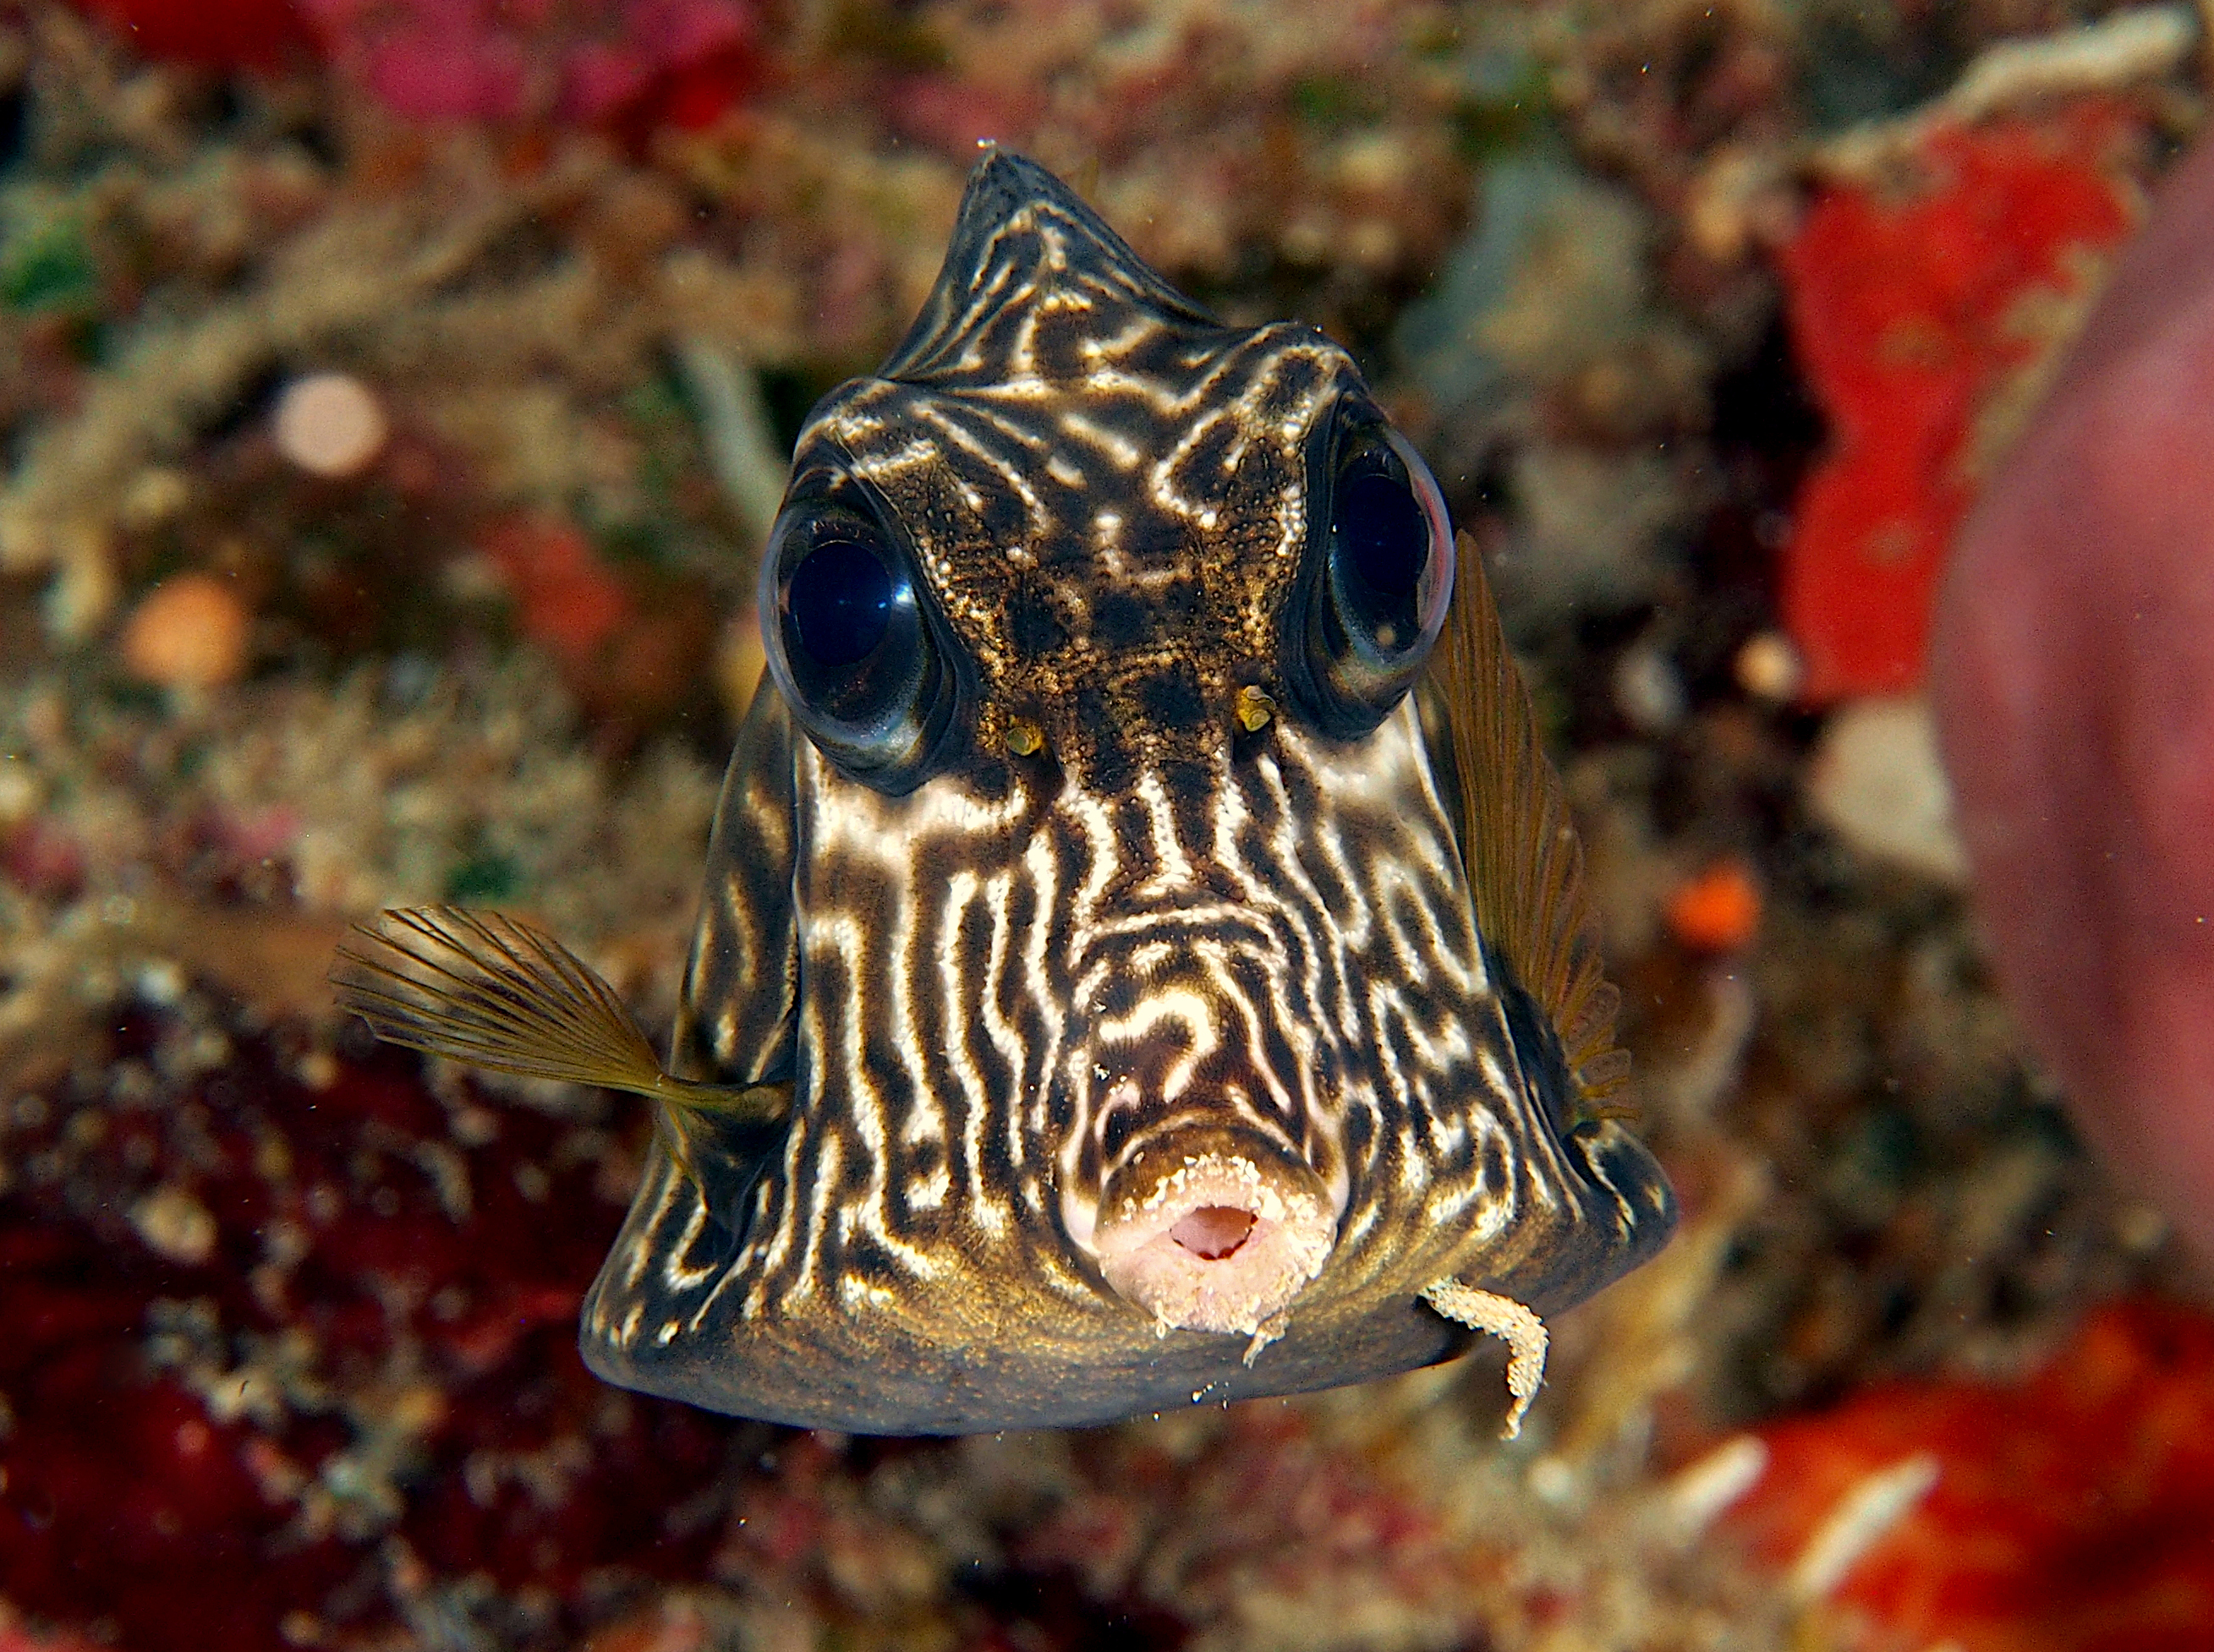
494, 992
1518, 845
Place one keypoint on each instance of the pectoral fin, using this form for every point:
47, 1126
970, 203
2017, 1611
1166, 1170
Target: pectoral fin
494, 992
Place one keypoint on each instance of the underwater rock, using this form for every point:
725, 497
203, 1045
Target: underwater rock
330, 424
1877, 783
276, 1319
1544, 342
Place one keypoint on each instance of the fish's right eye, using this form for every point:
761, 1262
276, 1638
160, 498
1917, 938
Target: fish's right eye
852, 645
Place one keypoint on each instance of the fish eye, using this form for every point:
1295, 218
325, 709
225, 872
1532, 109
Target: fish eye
1372, 598
851, 643
839, 601
1379, 546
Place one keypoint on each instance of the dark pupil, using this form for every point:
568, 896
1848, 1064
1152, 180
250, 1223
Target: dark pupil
1383, 540
1382, 532
840, 599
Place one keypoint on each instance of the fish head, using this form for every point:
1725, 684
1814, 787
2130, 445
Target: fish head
1136, 1005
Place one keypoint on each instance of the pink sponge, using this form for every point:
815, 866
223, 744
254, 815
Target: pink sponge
653, 62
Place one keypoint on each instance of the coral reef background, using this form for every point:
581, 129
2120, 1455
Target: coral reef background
394, 395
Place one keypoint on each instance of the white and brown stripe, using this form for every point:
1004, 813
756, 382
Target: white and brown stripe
996, 992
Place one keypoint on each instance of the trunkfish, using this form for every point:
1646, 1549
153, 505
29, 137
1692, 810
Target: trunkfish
1143, 960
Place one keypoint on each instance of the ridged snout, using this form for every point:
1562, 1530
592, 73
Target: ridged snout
1216, 1228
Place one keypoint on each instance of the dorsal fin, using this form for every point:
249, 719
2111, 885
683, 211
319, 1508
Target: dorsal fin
1525, 864
1020, 235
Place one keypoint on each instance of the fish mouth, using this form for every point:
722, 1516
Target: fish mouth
1214, 1230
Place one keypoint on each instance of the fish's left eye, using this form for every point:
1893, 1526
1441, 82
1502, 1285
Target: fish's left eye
1371, 597
1380, 547
839, 599
852, 643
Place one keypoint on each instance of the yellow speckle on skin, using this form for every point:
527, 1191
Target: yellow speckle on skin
1256, 708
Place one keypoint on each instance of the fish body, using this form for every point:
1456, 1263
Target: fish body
1141, 962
